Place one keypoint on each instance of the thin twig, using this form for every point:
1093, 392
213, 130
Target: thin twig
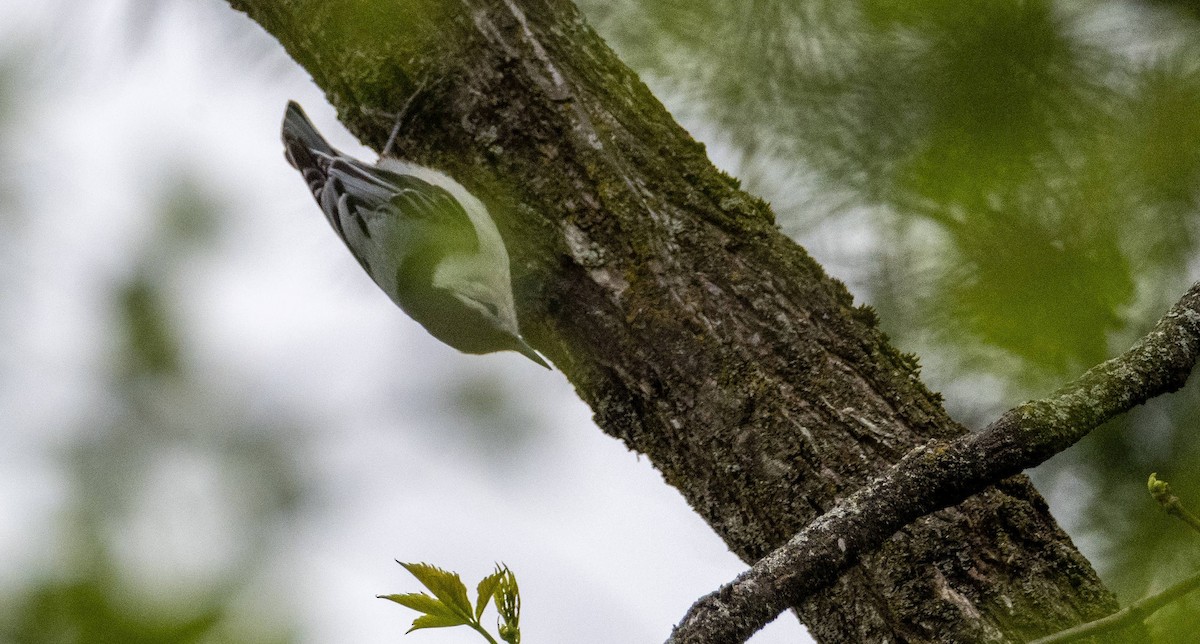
1161, 491
942, 473
1129, 615
387, 148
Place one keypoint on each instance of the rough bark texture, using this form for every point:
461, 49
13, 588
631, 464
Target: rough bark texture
699, 334
944, 472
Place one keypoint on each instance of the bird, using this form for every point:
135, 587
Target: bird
423, 238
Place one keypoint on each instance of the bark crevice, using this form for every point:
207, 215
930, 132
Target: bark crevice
700, 335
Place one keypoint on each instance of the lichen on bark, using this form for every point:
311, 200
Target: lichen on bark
700, 335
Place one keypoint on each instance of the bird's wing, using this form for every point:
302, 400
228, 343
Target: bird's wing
343, 184
380, 193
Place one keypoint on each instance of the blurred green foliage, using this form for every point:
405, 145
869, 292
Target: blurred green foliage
10, 80
1045, 173
151, 348
88, 609
168, 450
1031, 174
490, 418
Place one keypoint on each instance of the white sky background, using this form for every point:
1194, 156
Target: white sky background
276, 310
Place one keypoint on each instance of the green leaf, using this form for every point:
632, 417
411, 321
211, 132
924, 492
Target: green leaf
435, 621
420, 602
486, 588
446, 586
508, 604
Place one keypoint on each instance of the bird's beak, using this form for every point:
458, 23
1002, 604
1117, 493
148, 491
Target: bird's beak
524, 349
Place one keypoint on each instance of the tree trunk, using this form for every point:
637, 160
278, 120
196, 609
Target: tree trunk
699, 334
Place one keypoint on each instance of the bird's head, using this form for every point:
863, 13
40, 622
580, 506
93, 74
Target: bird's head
500, 318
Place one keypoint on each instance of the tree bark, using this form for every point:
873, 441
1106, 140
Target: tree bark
941, 473
699, 334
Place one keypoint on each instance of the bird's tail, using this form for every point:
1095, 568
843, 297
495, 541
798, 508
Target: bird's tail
301, 140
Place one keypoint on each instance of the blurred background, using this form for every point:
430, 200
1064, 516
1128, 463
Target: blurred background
214, 428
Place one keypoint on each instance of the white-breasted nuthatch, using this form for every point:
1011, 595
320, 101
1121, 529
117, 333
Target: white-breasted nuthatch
426, 241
